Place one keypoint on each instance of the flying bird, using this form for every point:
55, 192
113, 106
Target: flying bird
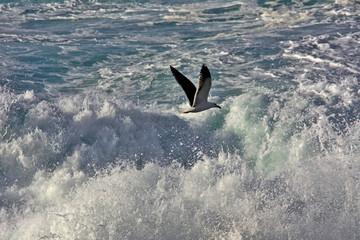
197, 96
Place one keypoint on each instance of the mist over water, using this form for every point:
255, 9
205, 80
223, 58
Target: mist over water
92, 145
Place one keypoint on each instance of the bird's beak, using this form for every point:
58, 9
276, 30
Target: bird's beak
218, 106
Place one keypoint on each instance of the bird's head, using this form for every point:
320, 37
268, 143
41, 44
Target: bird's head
215, 105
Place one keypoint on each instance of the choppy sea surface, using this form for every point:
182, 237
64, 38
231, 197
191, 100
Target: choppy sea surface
92, 145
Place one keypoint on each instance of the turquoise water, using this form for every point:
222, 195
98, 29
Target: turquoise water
92, 145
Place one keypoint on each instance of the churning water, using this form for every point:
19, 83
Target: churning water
92, 145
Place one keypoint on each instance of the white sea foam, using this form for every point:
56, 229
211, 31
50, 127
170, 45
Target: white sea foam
221, 195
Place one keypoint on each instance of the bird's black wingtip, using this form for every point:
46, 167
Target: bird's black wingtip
205, 71
174, 71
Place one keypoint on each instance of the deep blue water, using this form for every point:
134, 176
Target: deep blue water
92, 145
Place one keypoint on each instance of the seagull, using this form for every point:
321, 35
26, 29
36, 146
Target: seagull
197, 97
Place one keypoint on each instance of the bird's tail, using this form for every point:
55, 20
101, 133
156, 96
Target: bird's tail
185, 110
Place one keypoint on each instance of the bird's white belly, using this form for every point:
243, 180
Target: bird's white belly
198, 108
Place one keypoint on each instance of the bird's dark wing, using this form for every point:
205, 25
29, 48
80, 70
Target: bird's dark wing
188, 87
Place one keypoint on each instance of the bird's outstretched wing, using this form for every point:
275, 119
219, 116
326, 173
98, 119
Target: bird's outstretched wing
188, 87
202, 92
